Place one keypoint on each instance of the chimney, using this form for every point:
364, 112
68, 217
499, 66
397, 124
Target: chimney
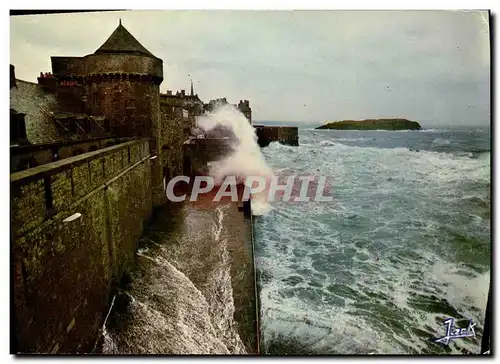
247, 103
47, 82
12, 76
183, 93
169, 92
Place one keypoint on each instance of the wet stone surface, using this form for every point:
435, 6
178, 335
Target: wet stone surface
192, 289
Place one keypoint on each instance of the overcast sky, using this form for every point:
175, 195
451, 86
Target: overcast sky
428, 66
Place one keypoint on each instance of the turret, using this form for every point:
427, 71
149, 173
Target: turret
121, 82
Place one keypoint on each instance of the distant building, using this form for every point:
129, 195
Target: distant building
243, 106
191, 102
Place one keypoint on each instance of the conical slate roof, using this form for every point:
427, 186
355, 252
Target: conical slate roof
121, 41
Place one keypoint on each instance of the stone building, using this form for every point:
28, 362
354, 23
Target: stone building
244, 107
190, 103
212, 104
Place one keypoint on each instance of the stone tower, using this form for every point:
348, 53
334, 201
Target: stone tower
120, 81
123, 80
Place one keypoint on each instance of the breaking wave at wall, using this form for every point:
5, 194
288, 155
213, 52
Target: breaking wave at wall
246, 159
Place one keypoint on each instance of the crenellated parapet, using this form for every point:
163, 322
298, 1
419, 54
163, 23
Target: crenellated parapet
99, 77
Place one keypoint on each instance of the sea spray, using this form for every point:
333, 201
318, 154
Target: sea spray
246, 159
181, 299
166, 314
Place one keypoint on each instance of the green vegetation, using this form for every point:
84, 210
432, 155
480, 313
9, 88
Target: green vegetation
372, 124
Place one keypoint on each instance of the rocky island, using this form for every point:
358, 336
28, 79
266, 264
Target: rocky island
372, 124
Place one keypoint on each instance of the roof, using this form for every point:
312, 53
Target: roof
192, 97
121, 41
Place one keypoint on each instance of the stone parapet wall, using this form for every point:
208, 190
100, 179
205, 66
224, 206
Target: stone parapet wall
33, 155
75, 228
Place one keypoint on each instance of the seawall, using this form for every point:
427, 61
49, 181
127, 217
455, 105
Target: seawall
193, 286
65, 265
76, 227
198, 152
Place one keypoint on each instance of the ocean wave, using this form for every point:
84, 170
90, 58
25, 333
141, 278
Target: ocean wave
327, 143
442, 170
432, 130
442, 141
377, 270
352, 139
301, 300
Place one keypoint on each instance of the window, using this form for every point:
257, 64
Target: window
17, 128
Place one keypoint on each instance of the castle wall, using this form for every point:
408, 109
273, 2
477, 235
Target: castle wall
64, 271
171, 133
70, 98
172, 138
28, 98
131, 104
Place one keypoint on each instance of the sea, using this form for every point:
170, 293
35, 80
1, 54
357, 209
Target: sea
404, 244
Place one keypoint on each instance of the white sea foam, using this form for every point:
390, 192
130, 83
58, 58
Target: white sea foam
246, 159
181, 300
384, 236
